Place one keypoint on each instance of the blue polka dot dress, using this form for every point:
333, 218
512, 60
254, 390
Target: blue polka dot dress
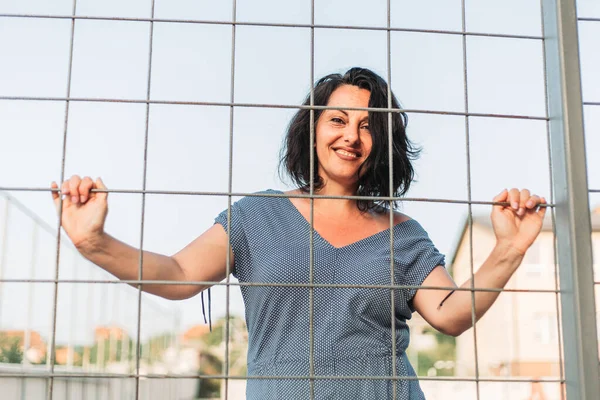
352, 326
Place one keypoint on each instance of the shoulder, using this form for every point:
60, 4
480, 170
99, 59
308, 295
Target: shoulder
260, 208
383, 217
258, 199
409, 231
400, 218
414, 244
251, 206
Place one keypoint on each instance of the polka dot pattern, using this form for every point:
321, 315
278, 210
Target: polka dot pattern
352, 326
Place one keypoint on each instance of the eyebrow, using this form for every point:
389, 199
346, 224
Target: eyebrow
366, 118
342, 111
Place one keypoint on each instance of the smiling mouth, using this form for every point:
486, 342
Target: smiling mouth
347, 153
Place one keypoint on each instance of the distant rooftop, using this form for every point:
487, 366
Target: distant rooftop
486, 221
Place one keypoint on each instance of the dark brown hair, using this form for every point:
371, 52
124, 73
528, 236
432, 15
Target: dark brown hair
374, 180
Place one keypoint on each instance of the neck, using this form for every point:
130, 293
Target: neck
336, 206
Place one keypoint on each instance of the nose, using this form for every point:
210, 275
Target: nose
352, 134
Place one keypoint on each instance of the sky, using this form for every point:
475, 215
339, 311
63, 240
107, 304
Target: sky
188, 145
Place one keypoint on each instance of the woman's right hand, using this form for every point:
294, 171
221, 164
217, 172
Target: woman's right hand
83, 211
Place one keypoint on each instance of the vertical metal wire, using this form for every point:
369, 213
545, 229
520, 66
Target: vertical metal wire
3, 250
311, 235
469, 193
52, 344
112, 344
30, 298
87, 356
391, 203
229, 190
177, 325
72, 318
100, 350
70, 347
143, 211
553, 217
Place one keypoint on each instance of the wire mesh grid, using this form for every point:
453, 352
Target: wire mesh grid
53, 374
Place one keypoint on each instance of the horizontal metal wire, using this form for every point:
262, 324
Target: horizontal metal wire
589, 19
277, 195
591, 103
272, 284
69, 379
594, 190
273, 25
279, 106
282, 377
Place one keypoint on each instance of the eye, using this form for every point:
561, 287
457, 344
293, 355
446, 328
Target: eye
366, 127
337, 120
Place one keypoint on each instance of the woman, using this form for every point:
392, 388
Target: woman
352, 325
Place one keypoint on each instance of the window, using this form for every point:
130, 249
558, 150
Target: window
545, 327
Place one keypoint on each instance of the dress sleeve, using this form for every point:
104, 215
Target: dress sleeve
237, 237
418, 257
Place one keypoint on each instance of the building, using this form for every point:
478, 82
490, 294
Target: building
194, 335
66, 356
109, 333
519, 335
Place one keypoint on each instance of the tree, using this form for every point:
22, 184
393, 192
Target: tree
444, 350
209, 365
10, 350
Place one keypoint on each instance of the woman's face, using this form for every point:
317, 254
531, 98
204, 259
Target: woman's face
342, 140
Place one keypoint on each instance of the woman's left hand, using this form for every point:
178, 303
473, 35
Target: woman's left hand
519, 224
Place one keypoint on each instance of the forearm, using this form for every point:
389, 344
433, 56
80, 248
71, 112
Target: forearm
122, 261
494, 273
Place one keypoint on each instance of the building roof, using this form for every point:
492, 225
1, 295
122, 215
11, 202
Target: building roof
195, 332
105, 333
35, 339
485, 221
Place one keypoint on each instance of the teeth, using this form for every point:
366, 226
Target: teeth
346, 153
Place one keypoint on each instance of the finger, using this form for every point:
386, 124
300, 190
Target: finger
100, 185
74, 188
64, 188
542, 211
55, 194
513, 198
523, 199
84, 189
500, 198
533, 202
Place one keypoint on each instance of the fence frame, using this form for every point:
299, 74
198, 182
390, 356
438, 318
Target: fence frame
572, 209
568, 172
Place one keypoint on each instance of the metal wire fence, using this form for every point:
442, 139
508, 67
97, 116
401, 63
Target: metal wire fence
137, 351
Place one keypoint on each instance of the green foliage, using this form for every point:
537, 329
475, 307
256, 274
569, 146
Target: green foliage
100, 352
444, 351
209, 365
215, 337
10, 350
156, 345
125, 350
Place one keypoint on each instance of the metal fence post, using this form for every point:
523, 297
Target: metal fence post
573, 226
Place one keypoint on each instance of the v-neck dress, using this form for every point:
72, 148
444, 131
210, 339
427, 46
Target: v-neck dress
351, 325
